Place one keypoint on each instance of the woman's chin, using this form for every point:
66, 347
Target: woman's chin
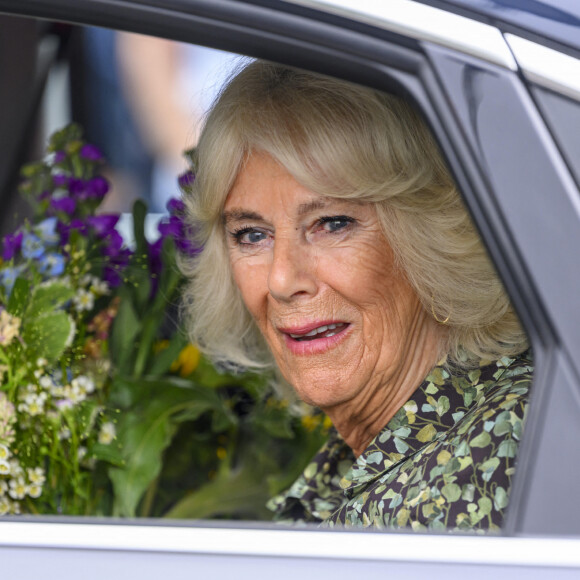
321, 392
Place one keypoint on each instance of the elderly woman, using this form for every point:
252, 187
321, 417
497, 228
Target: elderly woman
338, 252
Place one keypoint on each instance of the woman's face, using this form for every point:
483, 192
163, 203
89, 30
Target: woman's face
319, 278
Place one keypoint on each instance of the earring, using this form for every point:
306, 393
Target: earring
438, 320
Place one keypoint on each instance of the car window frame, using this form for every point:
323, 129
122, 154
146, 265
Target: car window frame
380, 58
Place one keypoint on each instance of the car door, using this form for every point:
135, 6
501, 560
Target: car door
464, 76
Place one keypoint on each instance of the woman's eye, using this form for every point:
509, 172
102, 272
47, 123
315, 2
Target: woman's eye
249, 236
335, 223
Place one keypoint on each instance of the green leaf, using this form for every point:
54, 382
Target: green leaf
507, 448
126, 328
47, 298
275, 422
485, 505
482, 440
222, 420
442, 405
163, 360
139, 281
500, 499
239, 492
60, 139
426, 433
141, 391
468, 492
401, 445
47, 335
139, 214
121, 394
145, 433
110, 453
170, 278
142, 440
19, 297
86, 416
402, 432
149, 332
462, 449
34, 169
451, 492
488, 467
502, 428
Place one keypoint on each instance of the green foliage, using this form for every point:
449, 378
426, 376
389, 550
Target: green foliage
153, 428
47, 336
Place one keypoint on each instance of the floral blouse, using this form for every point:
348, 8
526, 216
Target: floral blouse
443, 462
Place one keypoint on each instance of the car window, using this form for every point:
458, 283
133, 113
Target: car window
177, 436
180, 451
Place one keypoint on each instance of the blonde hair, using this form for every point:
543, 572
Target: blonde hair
345, 141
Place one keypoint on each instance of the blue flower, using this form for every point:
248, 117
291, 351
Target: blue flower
8, 277
46, 231
52, 264
32, 246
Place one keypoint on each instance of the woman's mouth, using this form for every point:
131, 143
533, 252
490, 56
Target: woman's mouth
314, 338
324, 331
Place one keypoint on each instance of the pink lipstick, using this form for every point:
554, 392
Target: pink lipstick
314, 338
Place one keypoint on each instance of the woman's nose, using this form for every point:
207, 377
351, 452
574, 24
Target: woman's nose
292, 271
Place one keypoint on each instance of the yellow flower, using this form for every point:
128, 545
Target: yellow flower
187, 361
160, 346
310, 422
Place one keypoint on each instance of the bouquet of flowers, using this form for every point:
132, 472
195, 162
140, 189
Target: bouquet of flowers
105, 409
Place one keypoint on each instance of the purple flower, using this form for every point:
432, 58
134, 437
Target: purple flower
60, 180
103, 224
175, 206
155, 264
113, 244
187, 247
185, 180
97, 187
65, 229
64, 204
77, 187
176, 228
173, 227
12, 244
59, 156
117, 262
112, 277
91, 152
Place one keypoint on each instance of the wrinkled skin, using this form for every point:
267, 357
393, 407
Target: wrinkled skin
300, 261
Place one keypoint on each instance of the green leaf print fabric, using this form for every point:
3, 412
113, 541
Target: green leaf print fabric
444, 461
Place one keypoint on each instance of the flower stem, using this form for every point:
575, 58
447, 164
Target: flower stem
147, 337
